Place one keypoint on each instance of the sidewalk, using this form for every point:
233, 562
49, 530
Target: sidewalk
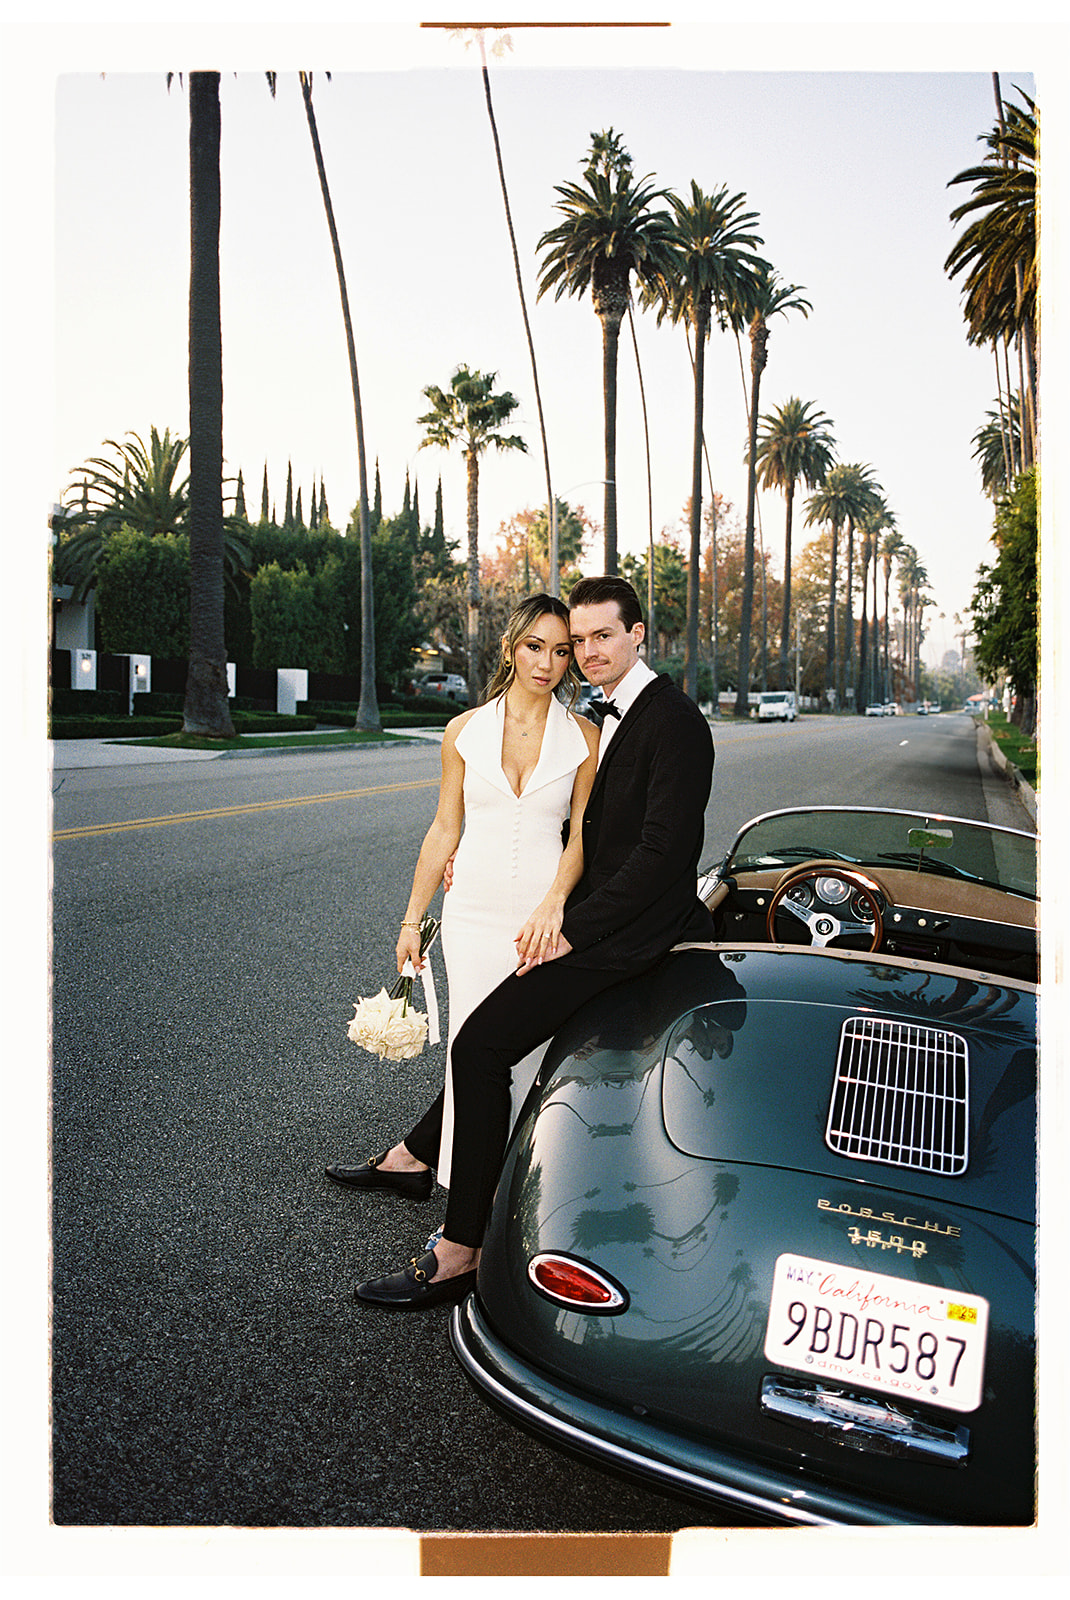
71, 754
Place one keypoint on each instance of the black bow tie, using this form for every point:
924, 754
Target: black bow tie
601, 709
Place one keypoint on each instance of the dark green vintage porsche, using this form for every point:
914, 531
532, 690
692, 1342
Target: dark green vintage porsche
765, 1231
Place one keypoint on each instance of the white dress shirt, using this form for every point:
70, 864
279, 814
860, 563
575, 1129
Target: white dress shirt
624, 697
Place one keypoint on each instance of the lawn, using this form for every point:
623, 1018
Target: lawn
1020, 749
266, 741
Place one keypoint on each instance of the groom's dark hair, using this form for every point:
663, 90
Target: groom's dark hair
596, 591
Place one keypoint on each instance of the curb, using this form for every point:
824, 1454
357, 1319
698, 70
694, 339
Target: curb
1025, 792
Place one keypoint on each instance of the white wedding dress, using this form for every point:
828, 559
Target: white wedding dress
506, 861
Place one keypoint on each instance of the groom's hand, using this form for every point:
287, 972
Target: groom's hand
531, 962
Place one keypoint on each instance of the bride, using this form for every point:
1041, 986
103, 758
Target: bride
513, 770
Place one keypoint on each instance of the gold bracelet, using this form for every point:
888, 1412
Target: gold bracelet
411, 924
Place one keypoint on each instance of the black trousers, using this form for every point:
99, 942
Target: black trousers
515, 1017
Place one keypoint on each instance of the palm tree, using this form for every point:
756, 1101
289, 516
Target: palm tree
368, 705
470, 415
891, 545
796, 444
872, 522
140, 489
846, 492
913, 591
770, 298
998, 446
608, 233
608, 153
555, 572
206, 709
863, 498
997, 251
713, 265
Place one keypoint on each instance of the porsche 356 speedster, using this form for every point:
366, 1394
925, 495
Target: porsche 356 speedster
765, 1230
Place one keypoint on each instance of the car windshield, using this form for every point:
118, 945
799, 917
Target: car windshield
923, 841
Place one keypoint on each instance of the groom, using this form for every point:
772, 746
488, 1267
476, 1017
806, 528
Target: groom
642, 836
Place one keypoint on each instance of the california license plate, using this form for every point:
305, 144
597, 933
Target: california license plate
845, 1325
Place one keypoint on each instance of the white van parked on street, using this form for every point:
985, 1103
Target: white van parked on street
777, 706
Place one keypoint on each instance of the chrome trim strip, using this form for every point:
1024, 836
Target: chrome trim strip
662, 1470
783, 1502
901, 963
876, 811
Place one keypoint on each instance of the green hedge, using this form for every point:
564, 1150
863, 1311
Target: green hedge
112, 727
420, 711
157, 727
89, 703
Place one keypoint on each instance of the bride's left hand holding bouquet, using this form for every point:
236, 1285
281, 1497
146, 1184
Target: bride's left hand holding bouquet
387, 1024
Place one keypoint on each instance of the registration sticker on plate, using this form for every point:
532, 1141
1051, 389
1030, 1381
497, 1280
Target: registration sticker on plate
916, 1340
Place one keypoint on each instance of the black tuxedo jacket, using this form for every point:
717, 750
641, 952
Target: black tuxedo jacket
642, 836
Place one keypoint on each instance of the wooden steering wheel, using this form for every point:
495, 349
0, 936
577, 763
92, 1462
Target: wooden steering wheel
831, 902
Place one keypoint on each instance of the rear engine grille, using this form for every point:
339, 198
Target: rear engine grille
900, 1096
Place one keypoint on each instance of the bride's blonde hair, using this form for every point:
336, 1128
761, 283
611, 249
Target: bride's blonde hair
520, 624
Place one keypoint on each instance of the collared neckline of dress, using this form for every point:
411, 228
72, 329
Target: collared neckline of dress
563, 747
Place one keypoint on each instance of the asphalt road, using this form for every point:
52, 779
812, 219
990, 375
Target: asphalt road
214, 921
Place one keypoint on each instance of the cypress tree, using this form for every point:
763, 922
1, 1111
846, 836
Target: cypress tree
439, 538
239, 498
299, 520
265, 504
289, 522
313, 515
325, 515
377, 506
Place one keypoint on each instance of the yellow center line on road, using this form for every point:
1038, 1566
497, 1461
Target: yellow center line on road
237, 811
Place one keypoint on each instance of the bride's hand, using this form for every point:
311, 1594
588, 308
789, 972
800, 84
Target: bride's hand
539, 938
409, 948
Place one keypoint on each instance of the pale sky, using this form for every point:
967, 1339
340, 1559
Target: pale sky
847, 170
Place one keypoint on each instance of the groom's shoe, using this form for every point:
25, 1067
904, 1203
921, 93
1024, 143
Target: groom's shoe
369, 1175
415, 1286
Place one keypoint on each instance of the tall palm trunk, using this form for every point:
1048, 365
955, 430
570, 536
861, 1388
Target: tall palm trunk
611, 321
702, 316
785, 610
830, 642
651, 620
472, 460
555, 564
759, 336
206, 709
368, 706
847, 676
862, 688
875, 648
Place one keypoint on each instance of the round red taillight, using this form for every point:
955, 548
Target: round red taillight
575, 1284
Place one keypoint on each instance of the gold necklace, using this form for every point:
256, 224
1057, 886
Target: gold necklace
523, 732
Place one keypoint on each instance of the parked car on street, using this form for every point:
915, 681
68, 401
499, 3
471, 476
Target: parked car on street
777, 705
448, 684
877, 709
765, 1230
586, 693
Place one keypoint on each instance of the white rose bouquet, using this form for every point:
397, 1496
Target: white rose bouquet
387, 1024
